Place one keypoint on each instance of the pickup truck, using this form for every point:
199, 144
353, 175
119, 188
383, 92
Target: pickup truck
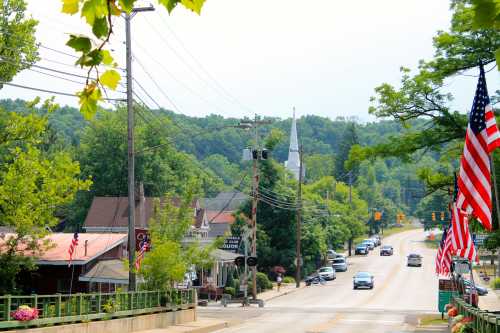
414, 259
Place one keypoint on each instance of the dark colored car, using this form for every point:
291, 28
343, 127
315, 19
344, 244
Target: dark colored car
363, 280
361, 249
481, 291
386, 250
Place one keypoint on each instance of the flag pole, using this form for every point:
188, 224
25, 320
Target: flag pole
497, 205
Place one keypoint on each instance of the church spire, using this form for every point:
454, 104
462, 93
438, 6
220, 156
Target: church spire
293, 162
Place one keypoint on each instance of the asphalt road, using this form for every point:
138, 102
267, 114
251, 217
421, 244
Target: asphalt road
400, 295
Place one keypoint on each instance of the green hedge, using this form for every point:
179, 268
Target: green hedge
288, 279
495, 284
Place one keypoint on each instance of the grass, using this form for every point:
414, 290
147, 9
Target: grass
432, 320
432, 244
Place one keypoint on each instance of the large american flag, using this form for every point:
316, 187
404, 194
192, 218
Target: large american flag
72, 247
481, 139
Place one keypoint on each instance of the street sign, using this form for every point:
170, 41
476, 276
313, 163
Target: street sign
479, 239
461, 267
231, 243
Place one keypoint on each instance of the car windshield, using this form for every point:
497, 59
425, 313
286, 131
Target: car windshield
387, 247
361, 246
363, 275
339, 261
325, 269
413, 256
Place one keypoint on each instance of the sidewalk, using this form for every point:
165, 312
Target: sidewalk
285, 289
202, 325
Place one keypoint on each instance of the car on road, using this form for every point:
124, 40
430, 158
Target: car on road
327, 273
481, 291
378, 240
339, 264
361, 249
414, 259
370, 243
363, 280
386, 250
331, 254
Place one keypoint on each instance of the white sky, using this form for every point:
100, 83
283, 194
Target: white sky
324, 57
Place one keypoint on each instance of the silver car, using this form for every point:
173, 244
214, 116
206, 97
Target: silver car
327, 273
339, 264
414, 259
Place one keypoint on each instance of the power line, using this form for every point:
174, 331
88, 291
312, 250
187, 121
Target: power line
53, 91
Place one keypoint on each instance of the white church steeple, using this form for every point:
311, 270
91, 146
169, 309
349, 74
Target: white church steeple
293, 163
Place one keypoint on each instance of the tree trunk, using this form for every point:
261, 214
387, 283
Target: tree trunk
350, 246
498, 264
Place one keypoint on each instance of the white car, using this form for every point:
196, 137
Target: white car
414, 260
339, 264
327, 273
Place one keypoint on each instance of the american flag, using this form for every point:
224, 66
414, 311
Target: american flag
469, 251
481, 139
445, 251
72, 247
140, 254
459, 222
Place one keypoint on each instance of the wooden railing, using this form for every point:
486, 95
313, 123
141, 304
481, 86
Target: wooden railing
59, 308
483, 321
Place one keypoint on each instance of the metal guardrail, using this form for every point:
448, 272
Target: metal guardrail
59, 308
483, 321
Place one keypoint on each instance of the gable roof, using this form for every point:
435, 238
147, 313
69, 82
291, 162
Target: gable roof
57, 254
218, 217
227, 201
112, 212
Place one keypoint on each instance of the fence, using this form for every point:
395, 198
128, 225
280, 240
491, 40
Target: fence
483, 321
54, 309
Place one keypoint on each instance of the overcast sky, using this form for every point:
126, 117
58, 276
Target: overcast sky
239, 57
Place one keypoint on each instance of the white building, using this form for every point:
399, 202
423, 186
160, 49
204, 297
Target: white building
293, 162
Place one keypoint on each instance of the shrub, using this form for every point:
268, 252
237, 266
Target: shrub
230, 290
495, 284
263, 282
288, 279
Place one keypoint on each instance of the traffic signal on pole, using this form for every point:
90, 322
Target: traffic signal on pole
433, 216
239, 261
252, 261
442, 216
378, 216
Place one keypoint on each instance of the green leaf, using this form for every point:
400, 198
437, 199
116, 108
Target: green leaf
194, 5
88, 99
100, 27
497, 56
70, 6
94, 9
107, 58
127, 5
110, 78
485, 12
169, 4
79, 43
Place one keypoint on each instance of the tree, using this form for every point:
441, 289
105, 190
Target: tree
318, 166
342, 165
34, 185
170, 257
18, 49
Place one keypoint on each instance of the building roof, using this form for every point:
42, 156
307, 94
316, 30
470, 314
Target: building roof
227, 201
107, 271
112, 212
218, 217
224, 256
57, 253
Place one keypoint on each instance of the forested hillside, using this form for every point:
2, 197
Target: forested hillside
211, 148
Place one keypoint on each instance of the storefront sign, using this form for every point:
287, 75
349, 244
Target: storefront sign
231, 243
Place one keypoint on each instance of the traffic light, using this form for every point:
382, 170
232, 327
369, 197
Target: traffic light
239, 261
433, 216
442, 216
378, 216
252, 261
264, 154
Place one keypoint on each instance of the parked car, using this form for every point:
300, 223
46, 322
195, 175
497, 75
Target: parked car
339, 264
314, 279
370, 243
375, 241
331, 254
379, 240
481, 291
361, 249
386, 250
414, 260
363, 279
327, 273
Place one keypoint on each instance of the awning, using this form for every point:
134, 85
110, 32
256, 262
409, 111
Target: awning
224, 256
107, 271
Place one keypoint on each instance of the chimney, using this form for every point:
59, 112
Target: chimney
140, 200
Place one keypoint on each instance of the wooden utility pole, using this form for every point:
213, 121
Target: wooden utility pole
299, 217
497, 205
131, 155
350, 204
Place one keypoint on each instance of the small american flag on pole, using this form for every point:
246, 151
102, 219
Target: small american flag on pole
140, 255
72, 247
445, 251
481, 139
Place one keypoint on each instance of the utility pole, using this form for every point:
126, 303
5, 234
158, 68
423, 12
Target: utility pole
497, 205
130, 141
299, 217
350, 204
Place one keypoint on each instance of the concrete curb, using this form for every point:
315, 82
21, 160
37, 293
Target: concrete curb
199, 326
283, 293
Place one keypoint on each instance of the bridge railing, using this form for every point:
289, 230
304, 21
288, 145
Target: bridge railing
60, 308
482, 321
